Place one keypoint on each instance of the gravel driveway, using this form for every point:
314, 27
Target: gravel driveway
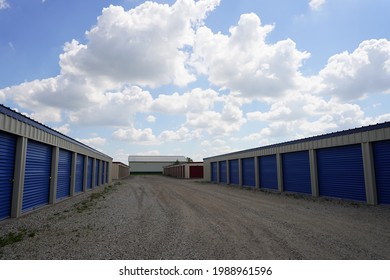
156, 217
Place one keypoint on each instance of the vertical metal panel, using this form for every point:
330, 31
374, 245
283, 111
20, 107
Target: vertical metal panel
268, 172
340, 172
381, 152
7, 164
90, 173
97, 182
213, 172
37, 175
248, 172
233, 170
79, 173
196, 171
296, 172
63, 175
222, 172
103, 172
107, 171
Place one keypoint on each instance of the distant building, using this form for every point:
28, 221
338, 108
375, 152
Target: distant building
188, 170
119, 170
152, 164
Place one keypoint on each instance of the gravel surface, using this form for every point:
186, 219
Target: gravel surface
156, 217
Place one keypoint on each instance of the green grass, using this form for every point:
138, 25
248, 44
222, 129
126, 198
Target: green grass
14, 237
91, 201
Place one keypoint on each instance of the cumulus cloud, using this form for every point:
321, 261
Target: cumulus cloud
4, 5
196, 100
93, 142
151, 119
245, 62
64, 129
302, 115
316, 4
182, 134
365, 71
137, 136
119, 108
144, 46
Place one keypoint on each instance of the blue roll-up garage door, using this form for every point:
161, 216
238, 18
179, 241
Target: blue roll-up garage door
381, 152
213, 172
222, 172
7, 163
233, 172
64, 172
248, 172
107, 166
340, 172
89, 173
296, 172
79, 173
268, 172
37, 175
103, 171
97, 183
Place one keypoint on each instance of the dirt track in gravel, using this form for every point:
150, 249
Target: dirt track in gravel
155, 217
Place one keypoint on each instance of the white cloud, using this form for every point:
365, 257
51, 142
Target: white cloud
137, 136
245, 63
94, 141
316, 4
64, 129
197, 100
303, 115
114, 108
4, 5
148, 45
182, 134
151, 119
356, 75
145, 45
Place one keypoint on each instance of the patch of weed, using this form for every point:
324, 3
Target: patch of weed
91, 201
14, 237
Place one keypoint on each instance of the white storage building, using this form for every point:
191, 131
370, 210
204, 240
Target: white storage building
152, 164
40, 166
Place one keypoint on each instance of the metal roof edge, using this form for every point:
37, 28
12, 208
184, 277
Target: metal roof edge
22, 118
312, 138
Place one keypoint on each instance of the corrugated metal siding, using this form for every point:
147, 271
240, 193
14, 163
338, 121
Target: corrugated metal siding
64, 173
103, 171
90, 173
340, 172
97, 182
7, 163
248, 172
79, 173
222, 172
268, 172
196, 171
381, 152
213, 172
37, 175
107, 166
296, 172
234, 173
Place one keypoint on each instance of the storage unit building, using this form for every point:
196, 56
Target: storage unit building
40, 166
119, 170
352, 164
152, 164
188, 170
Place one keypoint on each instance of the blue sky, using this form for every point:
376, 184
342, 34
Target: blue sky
195, 78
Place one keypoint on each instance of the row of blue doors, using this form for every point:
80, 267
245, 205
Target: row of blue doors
37, 174
340, 172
